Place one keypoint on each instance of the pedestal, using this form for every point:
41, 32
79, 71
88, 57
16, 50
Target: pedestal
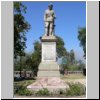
48, 71
48, 66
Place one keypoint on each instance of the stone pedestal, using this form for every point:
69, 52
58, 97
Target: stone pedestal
48, 71
48, 66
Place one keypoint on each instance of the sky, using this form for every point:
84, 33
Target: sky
69, 17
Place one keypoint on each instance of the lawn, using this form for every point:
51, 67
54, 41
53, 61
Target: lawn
23, 82
73, 76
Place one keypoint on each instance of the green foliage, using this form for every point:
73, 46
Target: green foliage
70, 63
16, 64
68, 60
20, 87
73, 68
21, 26
30, 61
19, 7
82, 39
43, 92
23, 91
75, 89
81, 65
72, 56
26, 62
61, 50
36, 57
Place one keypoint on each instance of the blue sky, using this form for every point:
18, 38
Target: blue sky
70, 16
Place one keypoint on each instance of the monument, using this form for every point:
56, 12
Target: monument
48, 75
48, 66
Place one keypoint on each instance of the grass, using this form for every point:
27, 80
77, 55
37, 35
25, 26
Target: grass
24, 91
43, 92
20, 87
73, 76
76, 89
23, 82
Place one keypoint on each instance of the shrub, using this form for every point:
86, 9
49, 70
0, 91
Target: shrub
75, 89
44, 91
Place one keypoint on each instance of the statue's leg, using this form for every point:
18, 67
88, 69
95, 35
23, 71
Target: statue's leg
51, 29
46, 28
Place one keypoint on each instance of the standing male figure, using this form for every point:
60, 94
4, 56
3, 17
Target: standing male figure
49, 17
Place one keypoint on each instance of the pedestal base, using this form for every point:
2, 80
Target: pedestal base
51, 83
48, 69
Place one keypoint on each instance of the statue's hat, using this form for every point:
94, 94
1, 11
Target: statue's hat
50, 5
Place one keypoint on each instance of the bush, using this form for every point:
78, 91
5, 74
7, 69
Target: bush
44, 91
76, 89
23, 91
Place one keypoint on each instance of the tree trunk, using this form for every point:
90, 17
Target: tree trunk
20, 66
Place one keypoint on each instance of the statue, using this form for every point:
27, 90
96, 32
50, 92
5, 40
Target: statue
49, 17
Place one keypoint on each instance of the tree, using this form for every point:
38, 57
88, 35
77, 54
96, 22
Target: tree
16, 64
68, 61
61, 50
81, 65
21, 26
72, 56
36, 57
82, 39
26, 62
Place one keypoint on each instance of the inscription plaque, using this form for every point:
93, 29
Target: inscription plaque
48, 51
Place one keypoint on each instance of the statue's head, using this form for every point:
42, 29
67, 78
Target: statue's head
50, 6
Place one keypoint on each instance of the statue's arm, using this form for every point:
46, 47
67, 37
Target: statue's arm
54, 15
45, 15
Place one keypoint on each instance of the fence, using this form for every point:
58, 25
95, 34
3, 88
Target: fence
27, 74
73, 72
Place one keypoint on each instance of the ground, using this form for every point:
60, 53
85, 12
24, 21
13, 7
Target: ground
75, 78
17, 96
67, 78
